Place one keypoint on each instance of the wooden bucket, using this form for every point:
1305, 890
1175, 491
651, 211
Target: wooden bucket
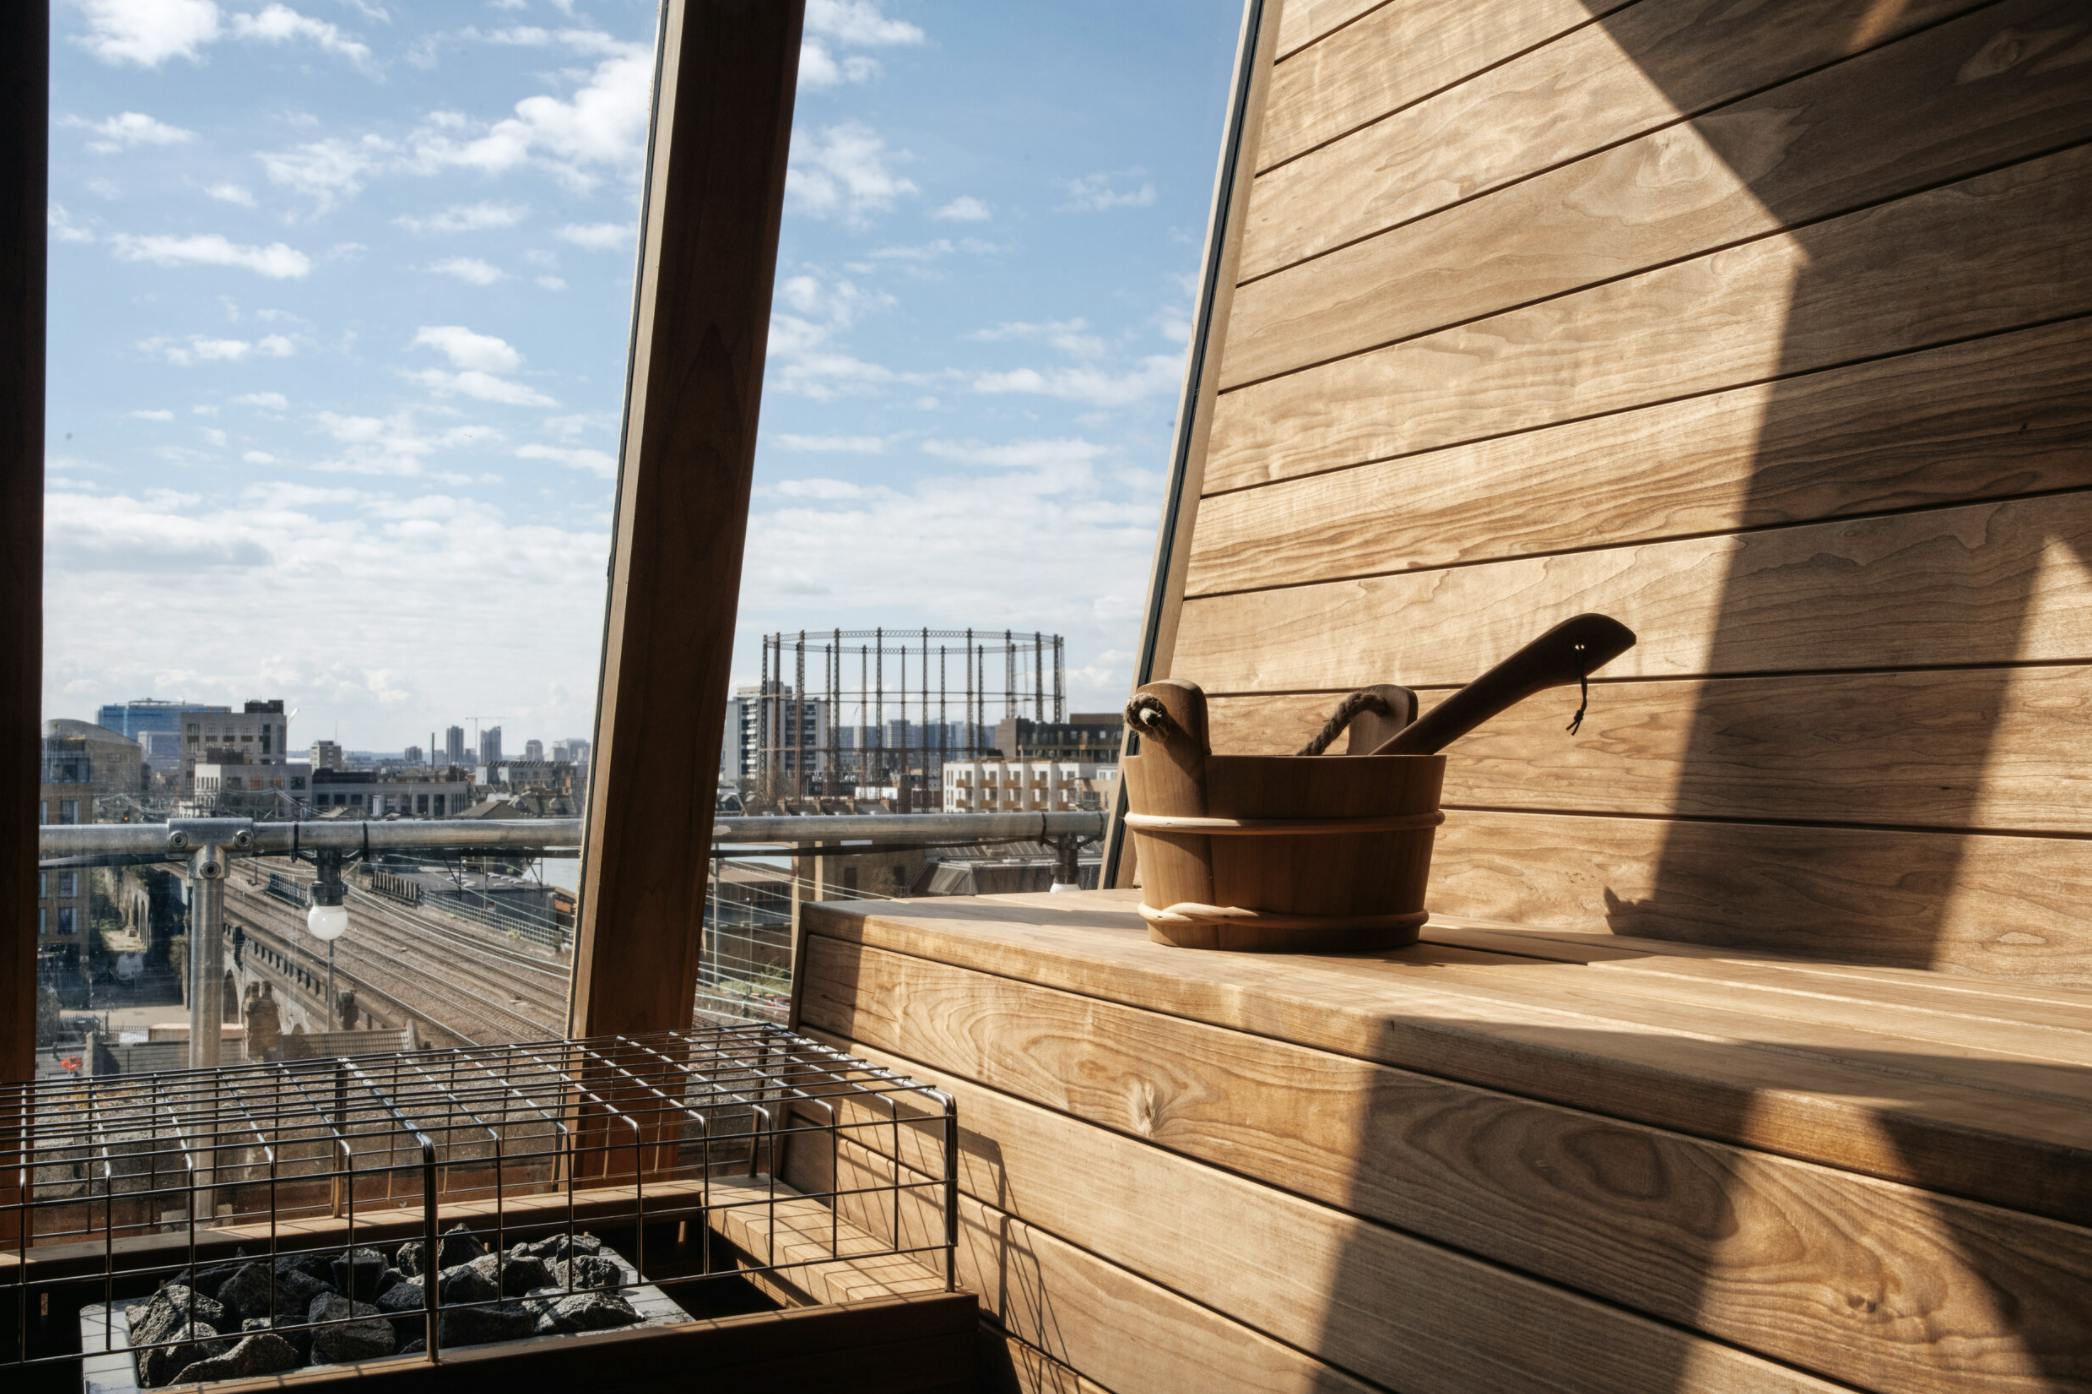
1290, 853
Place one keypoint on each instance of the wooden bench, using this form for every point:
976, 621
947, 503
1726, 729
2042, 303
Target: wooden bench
1502, 1160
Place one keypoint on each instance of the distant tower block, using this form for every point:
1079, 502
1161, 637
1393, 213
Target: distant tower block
852, 711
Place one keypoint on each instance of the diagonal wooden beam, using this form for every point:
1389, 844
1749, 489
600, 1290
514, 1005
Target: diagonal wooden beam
25, 115
708, 257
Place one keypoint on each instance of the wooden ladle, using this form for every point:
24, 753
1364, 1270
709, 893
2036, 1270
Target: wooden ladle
1568, 653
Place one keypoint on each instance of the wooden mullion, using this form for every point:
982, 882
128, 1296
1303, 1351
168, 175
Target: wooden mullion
723, 114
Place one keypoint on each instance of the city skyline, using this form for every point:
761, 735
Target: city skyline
335, 396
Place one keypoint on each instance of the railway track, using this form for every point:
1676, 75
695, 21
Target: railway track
450, 982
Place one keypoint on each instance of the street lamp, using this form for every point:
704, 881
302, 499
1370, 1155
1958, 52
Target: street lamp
327, 920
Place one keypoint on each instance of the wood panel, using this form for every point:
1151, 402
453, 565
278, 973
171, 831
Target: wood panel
2005, 83
723, 117
1986, 583
2009, 414
1644, 66
1084, 1312
1302, 22
2000, 750
2005, 249
1842, 1098
1397, 55
1388, 1307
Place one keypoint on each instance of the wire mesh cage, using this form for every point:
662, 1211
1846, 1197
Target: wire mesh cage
149, 1213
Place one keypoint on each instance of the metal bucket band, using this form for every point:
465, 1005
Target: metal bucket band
1255, 827
1187, 912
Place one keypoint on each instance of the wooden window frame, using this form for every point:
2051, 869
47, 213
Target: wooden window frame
725, 80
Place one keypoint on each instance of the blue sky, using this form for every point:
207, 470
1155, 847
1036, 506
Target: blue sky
339, 299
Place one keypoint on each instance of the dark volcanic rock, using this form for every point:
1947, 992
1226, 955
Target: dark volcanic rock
586, 1311
264, 1353
468, 1282
515, 1275
402, 1302
157, 1319
317, 1265
472, 1326
455, 1246
559, 1246
356, 1340
191, 1342
210, 1278
246, 1293
360, 1273
587, 1271
298, 1336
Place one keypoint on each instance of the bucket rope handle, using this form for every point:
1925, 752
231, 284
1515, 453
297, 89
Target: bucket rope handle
1147, 715
1347, 710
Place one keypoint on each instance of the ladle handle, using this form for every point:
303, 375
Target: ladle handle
1570, 652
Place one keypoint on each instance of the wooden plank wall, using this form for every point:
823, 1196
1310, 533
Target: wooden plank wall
1766, 328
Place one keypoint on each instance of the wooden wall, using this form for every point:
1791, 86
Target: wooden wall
1764, 327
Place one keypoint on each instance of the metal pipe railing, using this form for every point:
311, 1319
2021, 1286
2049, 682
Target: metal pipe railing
182, 837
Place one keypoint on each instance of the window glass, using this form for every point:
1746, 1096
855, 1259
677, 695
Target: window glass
339, 315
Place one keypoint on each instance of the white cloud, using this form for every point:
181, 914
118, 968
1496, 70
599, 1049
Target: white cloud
484, 387
268, 401
276, 261
128, 128
1067, 335
463, 217
258, 457
599, 237
819, 68
844, 171
465, 349
328, 171
550, 282
964, 209
574, 457
155, 414
832, 445
470, 270
231, 193
601, 127
199, 348
937, 249
1066, 452
1093, 386
858, 22
1098, 193
148, 32
277, 23
63, 228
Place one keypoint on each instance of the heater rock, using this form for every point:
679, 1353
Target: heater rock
587, 1271
472, 1326
356, 1340
361, 1273
513, 1275
585, 1311
246, 1293
169, 1310
404, 1303
317, 1266
264, 1353
560, 1246
456, 1245
191, 1342
468, 1282
299, 1337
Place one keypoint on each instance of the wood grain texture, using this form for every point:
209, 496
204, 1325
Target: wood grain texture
1643, 66
1301, 22
1396, 55
2005, 83
1913, 1116
2005, 415
1086, 1313
1986, 583
1990, 253
1997, 750
1420, 1316
25, 118
723, 124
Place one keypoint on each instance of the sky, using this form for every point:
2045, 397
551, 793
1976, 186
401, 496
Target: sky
339, 307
